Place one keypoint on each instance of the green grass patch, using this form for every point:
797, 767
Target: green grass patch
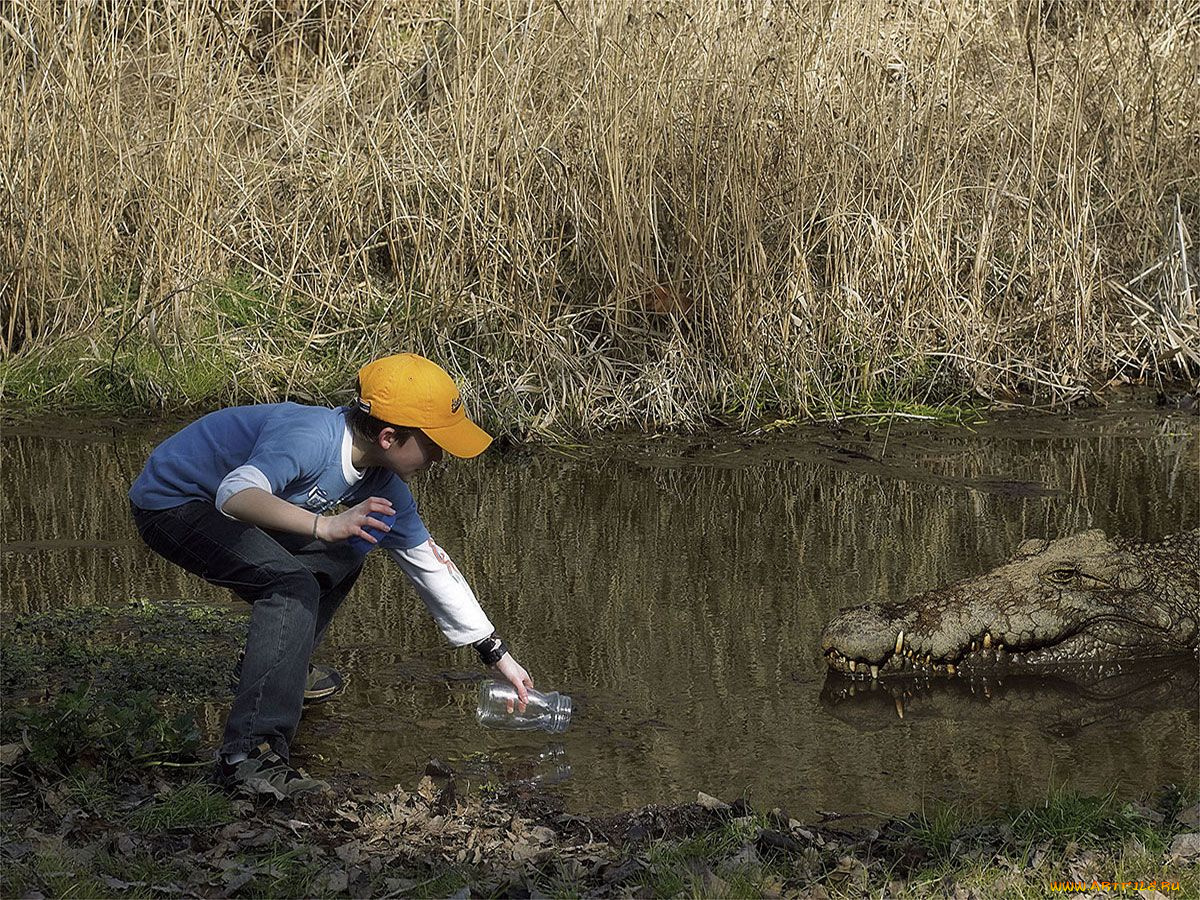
64, 874
86, 375
1019, 853
288, 873
935, 831
1067, 816
89, 790
443, 884
717, 859
194, 805
109, 688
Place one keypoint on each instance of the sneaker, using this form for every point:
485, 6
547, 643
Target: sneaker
323, 682
265, 773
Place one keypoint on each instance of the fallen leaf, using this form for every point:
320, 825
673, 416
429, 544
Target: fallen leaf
17, 850
1189, 817
1039, 854
711, 803
234, 881
747, 856
1186, 847
849, 870
621, 872
349, 853
714, 885
336, 882
1146, 812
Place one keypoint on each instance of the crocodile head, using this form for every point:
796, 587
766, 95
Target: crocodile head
1077, 600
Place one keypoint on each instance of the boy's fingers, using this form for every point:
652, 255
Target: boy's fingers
372, 523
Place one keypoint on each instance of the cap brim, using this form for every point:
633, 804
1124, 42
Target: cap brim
463, 439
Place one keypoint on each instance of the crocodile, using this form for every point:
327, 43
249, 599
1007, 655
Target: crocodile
1057, 605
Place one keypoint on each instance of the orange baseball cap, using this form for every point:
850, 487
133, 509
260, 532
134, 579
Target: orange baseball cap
411, 391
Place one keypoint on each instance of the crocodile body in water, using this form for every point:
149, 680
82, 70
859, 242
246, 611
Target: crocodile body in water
1055, 606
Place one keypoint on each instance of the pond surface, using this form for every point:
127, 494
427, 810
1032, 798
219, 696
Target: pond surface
676, 589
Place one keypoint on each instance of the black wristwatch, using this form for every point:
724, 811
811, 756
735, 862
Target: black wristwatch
491, 649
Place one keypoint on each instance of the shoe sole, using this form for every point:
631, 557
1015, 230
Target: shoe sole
313, 697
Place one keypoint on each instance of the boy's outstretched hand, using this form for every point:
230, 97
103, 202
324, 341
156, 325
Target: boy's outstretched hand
516, 675
354, 521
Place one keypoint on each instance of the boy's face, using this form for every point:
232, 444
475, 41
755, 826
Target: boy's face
406, 458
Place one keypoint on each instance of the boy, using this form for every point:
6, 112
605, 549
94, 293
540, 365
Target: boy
239, 498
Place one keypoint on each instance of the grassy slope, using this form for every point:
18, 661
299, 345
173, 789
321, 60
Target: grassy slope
594, 219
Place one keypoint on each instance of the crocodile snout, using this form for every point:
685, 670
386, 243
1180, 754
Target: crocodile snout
862, 635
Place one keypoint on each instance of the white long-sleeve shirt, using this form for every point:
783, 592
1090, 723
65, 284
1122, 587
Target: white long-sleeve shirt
445, 593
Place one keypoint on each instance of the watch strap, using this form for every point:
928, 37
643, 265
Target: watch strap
491, 649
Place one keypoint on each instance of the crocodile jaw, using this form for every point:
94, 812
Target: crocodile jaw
880, 641
1075, 601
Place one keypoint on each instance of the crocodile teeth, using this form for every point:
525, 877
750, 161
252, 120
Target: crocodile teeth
950, 669
974, 646
853, 666
987, 640
874, 671
899, 642
900, 707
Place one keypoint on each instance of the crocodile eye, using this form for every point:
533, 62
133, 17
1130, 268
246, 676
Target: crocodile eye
1063, 576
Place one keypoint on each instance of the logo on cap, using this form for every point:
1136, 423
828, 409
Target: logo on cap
455, 405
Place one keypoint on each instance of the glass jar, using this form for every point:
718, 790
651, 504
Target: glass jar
499, 708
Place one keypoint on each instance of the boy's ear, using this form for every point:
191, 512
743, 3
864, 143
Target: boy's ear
389, 436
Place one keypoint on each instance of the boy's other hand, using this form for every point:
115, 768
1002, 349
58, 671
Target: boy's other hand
516, 675
354, 521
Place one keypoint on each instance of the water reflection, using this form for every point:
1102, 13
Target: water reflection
676, 590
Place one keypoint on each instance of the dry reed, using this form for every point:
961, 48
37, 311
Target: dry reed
600, 214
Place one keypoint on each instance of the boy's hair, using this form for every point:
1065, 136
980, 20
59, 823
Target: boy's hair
368, 427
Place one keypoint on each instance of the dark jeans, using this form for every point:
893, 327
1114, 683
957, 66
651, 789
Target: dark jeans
294, 583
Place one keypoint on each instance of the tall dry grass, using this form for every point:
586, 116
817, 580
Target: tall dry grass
596, 213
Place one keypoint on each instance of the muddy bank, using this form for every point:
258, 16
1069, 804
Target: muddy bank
160, 836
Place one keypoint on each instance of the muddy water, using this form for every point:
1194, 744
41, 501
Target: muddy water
676, 589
